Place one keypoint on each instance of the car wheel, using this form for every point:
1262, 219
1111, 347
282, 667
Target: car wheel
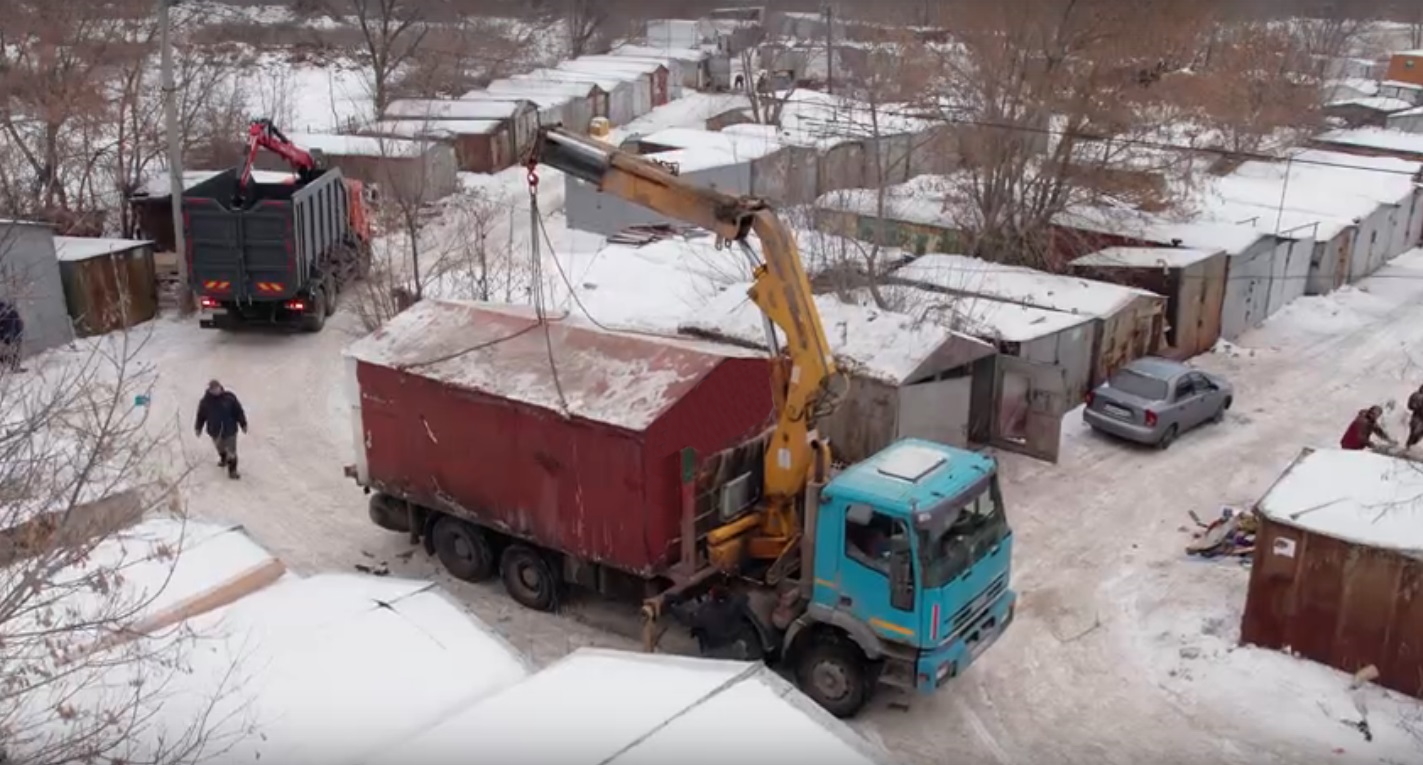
1168, 437
1220, 413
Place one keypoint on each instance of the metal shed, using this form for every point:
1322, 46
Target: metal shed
588, 209
480, 146
1127, 323
692, 68
907, 378
587, 99
1338, 566
640, 83
618, 95
30, 281
663, 76
414, 170
109, 284
1193, 282
522, 117
552, 108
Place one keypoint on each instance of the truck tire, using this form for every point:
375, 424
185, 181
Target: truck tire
332, 296
315, 318
463, 550
835, 674
389, 513
529, 578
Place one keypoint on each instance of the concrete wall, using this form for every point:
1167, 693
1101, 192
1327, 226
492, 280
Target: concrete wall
588, 209
30, 281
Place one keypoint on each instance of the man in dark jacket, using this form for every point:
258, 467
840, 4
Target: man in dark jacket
12, 333
1363, 429
221, 413
1415, 422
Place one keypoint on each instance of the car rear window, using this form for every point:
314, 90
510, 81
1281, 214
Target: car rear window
1139, 385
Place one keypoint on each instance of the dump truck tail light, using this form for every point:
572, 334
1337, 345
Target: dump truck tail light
296, 305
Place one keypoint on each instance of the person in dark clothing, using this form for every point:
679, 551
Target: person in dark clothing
221, 414
1415, 421
1363, 429
12, 333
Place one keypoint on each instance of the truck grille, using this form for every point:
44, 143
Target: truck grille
966, 616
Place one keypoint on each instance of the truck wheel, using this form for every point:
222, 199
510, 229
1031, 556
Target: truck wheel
332, 295
463, 550
835, 675
529, 579
315, 318
389, 513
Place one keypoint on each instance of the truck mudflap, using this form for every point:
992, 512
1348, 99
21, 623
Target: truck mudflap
951, 659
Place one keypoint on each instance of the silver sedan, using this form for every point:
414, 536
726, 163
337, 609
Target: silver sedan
1153, 401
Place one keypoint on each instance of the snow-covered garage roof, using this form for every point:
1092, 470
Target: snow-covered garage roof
1070, 294
1361, 497
435, 109
1145, 257
740, 147
1376, 138
618, 708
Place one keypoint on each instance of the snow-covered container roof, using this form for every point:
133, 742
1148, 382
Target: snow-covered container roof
1380, 139
617, 72
883, 345
676, 54
360, 145
639, 64
542, 99
1375, 103
620, 708
619, 379
976, 316
1361, 497
605, 82
433, 129
440, 109
326, 669
83, 247
1145, 257
741, 147
1201, 233
1015, 284
518, 87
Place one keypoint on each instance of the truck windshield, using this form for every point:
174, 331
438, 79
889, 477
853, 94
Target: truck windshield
959, 534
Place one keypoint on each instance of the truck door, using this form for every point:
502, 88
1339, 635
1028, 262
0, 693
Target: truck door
865, 590
1029, 400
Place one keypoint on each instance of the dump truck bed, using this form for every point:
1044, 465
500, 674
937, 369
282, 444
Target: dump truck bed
571, 440
265, 249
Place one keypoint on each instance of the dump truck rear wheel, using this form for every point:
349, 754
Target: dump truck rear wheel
834, 674
315, 318
529, 578
463, 550
332, 295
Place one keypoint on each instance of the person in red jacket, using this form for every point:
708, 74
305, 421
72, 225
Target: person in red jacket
1363, 429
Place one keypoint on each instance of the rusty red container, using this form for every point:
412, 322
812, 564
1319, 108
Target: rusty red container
554, 431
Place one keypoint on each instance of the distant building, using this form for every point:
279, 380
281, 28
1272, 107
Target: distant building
1406, 66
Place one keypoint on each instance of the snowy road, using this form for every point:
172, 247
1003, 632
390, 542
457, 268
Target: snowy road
1096, 667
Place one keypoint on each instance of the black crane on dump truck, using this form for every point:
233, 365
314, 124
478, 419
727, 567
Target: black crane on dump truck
275, 253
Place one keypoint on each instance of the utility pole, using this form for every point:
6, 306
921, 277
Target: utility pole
175, 153
829, 49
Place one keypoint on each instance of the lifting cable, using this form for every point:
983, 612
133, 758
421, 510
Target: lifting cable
536, 279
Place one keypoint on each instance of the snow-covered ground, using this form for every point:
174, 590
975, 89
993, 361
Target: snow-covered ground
1123, 650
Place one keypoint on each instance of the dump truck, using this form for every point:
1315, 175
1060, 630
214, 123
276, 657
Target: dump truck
692, 477
275, 253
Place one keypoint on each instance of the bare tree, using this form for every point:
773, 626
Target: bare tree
484, 264
585, 20
391, 32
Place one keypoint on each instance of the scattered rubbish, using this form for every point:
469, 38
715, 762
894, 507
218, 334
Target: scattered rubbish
1364, 676
380, 569
407, 555
1230, 535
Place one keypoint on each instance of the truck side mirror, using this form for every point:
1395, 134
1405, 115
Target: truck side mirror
901, 576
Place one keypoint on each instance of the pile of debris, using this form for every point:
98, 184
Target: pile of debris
1232, 535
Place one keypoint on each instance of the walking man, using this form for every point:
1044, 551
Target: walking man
1415, 421
221, 414
12, 333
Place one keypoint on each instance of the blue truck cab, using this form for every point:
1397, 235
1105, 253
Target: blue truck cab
912, 561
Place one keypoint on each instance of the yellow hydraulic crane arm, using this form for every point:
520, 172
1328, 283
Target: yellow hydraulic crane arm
780, 288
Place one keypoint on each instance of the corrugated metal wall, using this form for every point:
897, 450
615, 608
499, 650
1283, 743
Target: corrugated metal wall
30, 280
1339, 604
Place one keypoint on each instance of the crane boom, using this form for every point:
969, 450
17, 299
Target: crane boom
780, 288
263, 134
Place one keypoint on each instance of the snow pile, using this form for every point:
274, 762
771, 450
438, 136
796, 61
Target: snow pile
1343, 310
620, 708
1356, 496
1015, 284
881, 344
822, 120
930, 200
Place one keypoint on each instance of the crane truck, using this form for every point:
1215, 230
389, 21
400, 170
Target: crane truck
890, 572
274, 253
